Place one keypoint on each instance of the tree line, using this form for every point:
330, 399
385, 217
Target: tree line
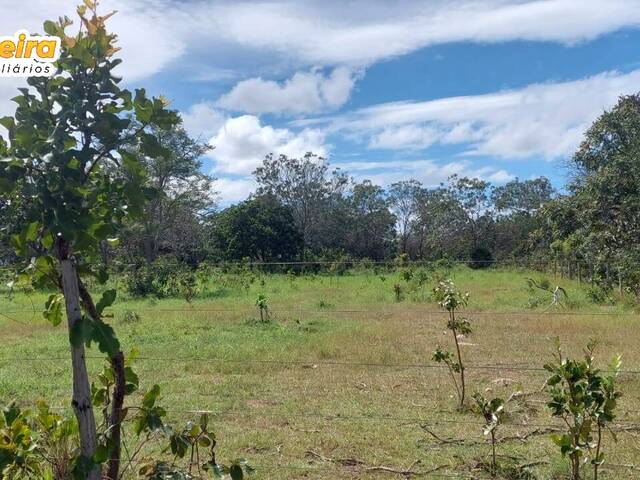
305, 210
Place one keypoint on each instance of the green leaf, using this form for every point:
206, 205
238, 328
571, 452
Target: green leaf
8, 123
151, 396
81, 332
51, 28
53, 309
105, 337
102, 454
236, 472
107, 300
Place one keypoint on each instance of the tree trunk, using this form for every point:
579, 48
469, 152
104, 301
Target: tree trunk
117, 398
117, 365
81, 401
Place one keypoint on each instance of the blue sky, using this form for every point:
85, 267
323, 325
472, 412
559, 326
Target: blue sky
386, 90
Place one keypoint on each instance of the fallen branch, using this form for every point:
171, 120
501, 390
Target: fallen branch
352, 462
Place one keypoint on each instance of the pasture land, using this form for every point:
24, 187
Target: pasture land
340, 383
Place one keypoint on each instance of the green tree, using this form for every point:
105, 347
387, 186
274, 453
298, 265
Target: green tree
599, 221
369, 225
516, 205
522, 197
473, 197
260, 229
404, 199
76, 187
303, 184
183, 196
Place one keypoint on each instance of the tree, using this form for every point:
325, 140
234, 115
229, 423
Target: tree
472, 194
404, 201
183, 195
516, 205
303, 184
76, 187
260, 229
369, 225
440, 225
522, 197
603, 207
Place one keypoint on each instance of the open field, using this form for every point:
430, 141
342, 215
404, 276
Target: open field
341, 382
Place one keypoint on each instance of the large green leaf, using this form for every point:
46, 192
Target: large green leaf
53, 309
107, 300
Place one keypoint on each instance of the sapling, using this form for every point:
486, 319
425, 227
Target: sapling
492, 411
583, 397
558, 294
263, 307
451, 299
397, 290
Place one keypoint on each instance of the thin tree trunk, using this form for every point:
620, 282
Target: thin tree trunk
117, 399
494, 464
462, 382
81, 401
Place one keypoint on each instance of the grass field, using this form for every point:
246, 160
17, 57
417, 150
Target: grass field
340, 383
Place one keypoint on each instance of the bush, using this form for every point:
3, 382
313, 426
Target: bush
600, 295
480, 257
164, 278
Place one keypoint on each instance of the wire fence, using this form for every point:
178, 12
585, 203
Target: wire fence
371, 313
304, 363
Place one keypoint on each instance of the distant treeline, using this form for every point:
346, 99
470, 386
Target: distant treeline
303, 210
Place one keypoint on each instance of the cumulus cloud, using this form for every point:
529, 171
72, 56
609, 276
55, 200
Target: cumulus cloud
242, 142
203, 120
545, 120
429, 172
304, 92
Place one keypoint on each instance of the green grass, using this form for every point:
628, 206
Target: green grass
293, 400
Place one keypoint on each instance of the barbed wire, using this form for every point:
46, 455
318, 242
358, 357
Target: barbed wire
307, 363
417, 311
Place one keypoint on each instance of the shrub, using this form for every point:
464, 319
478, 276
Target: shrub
584, 398
480, 257
130, 316
163, 278
600, 295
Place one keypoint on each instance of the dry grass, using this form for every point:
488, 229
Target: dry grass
332, 392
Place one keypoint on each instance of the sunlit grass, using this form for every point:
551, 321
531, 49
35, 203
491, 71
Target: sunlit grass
337, 372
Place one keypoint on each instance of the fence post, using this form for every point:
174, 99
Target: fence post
620, 281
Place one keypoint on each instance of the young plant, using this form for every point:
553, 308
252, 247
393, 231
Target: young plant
492, 411
558, 295
583, 397
451, 299
397, 290
263, 307
69, 167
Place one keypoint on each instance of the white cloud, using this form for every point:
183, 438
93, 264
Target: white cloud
202, 120
363, 32
148, 36
546, 120
242, 142
304, 92
428, 172
156, 34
